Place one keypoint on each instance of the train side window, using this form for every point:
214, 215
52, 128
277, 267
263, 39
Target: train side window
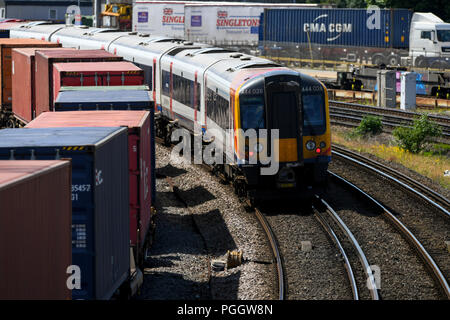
166, 83
217, 109
425, 35
197, 106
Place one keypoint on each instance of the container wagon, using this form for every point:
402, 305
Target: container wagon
44, 69
141, 162
100, 198
35, 229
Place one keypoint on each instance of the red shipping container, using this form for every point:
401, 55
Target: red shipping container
23, 82
44, 70
96, 74
139, 156
35, 229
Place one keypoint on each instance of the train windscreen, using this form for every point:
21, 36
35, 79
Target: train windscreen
252, 112
313, 114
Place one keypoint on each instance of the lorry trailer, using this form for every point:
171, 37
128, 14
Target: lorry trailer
396, 37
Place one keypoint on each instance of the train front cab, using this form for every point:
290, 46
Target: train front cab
296, 105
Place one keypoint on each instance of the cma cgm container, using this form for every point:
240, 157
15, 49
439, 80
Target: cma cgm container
384, 28
44, 70
141, 157
103, 98
6, 45
100, 223
35, 229
118, 73
23, 83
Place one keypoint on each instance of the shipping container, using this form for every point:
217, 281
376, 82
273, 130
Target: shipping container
44, 69
228, 24
120, 73
159, 17
384, 28
91, 98
100, 222
35, 229
6, 45
23, 83
141, 155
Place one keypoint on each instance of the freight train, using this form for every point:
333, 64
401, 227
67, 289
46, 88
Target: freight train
196, 85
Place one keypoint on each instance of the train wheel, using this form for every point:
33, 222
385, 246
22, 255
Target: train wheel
239, 187
11, 123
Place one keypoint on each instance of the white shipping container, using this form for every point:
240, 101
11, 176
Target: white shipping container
223, 25
159, 18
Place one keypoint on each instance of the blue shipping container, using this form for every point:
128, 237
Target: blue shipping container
100, 197
103, 100
384, 28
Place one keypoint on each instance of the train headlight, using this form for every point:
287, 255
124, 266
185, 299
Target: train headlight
258, 148
322, 145
310, 145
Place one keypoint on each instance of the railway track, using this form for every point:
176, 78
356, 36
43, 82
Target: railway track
333, 235
350, 115
276, 253
435, 260
441, 203
402, 115
422, 102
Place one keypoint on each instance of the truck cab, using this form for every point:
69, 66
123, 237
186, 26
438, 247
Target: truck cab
429, 44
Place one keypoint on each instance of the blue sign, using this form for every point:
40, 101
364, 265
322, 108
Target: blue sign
142, 17
196, 21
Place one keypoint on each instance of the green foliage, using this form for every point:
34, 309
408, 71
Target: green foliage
370, 125
413, 139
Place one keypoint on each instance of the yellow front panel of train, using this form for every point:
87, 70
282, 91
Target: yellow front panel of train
287, 151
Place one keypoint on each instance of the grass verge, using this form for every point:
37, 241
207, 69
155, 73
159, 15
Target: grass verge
431, 163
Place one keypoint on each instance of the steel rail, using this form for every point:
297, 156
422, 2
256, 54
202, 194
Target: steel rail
275, 251
347, 264
427, 198
431, 193
408, 234
406, 115
362, 257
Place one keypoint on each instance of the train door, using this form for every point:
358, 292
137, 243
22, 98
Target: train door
283, 110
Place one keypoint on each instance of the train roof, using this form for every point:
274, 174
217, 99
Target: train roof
157, 45
221, 61
81, 31
35, 30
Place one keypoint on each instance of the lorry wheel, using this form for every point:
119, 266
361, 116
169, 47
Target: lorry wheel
439, 65
393, 60
421, 62
378, 59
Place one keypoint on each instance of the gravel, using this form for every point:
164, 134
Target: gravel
187, 240
316, 274
430, 227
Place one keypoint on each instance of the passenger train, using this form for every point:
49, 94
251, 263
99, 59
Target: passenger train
196, 85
